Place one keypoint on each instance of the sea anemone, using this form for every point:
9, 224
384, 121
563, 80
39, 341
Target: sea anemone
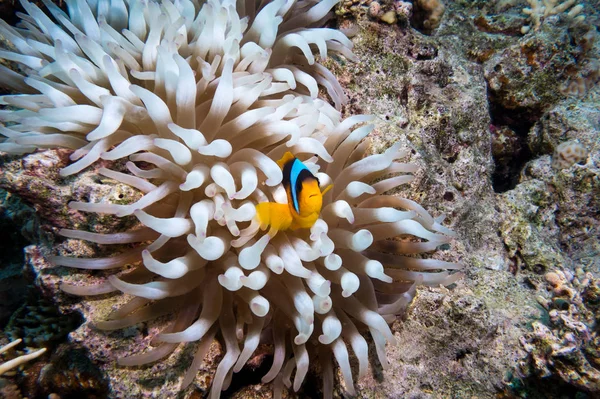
203, 98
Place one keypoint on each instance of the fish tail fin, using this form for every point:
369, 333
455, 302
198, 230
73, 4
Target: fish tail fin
285, 159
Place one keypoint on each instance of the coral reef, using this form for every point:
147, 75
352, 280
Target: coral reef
19, 360
586, 78
427, 14
549, 219
526, 76
567, 154
38, 322
71, 374
9, 390
202, 99
540, 9
568, 347
391, 12
18, 225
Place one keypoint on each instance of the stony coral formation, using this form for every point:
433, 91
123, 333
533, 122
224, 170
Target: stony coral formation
427, 14
203, 97
567, 348
568, 153
540, 9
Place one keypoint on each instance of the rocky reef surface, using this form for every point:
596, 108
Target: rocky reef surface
501, 109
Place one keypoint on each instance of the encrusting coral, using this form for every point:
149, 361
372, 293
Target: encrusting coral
204, 97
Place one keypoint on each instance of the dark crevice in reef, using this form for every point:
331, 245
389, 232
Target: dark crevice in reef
510, 152
535, 387
13, 284
312, 386
247, 376
26, 314
70, 372
9, 9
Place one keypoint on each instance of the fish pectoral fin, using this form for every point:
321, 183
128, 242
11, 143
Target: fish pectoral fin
329, 187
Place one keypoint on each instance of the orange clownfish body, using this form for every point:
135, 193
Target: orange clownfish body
304, 195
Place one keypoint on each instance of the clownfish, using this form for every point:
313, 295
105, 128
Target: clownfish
304, 195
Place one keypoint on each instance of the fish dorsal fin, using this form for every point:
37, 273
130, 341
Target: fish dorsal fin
287, 157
